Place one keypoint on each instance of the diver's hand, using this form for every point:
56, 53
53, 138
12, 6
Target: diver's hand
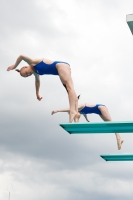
53, 112
11, 67
38, 97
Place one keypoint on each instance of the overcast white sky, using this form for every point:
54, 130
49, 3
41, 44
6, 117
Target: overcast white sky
38, 159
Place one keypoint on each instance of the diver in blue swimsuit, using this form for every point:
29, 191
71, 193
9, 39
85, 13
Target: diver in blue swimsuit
98, 109
48, 67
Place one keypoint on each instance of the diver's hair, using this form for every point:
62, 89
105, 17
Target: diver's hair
17, 70
78, 96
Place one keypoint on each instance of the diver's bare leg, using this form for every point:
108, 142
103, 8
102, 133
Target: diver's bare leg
106, 117
65, 76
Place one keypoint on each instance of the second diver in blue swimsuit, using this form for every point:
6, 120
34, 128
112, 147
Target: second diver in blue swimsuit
98, 109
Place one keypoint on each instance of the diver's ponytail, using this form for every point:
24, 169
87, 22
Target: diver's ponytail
78, 96
17, 70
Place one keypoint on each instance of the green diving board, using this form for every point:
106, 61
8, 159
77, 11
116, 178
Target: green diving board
129, 19
99, 127
118, 157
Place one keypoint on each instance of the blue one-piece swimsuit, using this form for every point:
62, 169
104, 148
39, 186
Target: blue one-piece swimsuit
44, 68
90, 110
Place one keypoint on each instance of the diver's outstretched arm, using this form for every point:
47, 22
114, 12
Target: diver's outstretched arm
27, 59
62, 110
19, 59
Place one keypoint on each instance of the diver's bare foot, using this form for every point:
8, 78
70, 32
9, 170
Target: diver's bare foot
119, 143
72, 116
77, 117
